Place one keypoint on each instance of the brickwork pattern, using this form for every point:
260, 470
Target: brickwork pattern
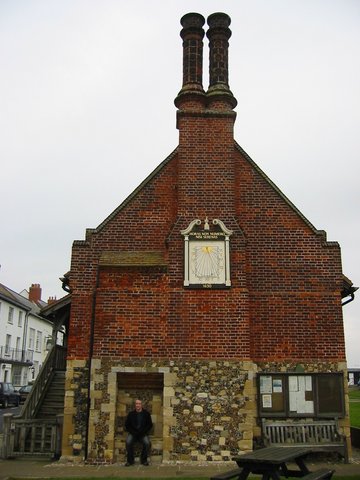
286, 282
294, 276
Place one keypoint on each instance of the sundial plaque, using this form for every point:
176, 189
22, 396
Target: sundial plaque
206, 254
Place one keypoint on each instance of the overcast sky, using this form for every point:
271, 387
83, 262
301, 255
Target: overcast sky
86, 113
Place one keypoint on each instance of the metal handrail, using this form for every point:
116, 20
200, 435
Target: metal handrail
16, 355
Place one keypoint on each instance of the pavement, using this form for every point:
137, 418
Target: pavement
39, 468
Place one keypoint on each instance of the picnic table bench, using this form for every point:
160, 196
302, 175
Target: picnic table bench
272, 463
322, 474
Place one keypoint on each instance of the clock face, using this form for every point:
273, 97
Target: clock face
207, 262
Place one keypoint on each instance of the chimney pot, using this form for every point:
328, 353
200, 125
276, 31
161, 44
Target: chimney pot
51, 300
219, 20
192, 20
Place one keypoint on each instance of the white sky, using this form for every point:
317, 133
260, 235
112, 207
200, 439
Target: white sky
86, 113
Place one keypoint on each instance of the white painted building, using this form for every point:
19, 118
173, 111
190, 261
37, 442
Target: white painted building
24, 335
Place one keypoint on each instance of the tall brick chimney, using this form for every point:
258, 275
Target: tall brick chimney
35, 293
218, 35
192, 94
205, 123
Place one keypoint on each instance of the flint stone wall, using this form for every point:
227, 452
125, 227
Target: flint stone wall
75, 409
208, 409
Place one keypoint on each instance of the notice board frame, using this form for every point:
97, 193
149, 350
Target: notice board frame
325, 391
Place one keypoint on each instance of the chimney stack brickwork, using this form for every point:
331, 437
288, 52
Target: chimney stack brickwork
218, 35
206, 137
192, 35
35, 293
208, 343
192, 95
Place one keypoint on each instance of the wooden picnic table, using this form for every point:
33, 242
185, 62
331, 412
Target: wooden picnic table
272, 463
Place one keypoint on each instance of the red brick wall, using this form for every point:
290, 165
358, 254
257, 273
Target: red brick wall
142, 224
206, 165
284, 301
293, 275
285, 296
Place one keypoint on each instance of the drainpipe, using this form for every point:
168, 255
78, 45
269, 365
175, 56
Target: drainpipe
352, 297
91, 349
65, 284
25, 331
26, 322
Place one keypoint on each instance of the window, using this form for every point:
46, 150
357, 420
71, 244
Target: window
20, 319
16, 375
7, 344
18, 349
31, 338
301, 395
11, 315
38, 341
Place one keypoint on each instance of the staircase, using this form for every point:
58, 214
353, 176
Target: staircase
53, 400
52, 370
38, 428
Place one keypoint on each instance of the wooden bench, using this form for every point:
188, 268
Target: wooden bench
319, 436
227, 475
322, 474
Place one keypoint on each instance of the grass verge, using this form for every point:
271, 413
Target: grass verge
354, 406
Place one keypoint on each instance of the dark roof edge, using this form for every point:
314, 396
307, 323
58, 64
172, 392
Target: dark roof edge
348, 288
14, 302
321, 233
16, 299
56, 305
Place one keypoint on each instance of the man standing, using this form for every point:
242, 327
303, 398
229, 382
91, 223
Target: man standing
138, 424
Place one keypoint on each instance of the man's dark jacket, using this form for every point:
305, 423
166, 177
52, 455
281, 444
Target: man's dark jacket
138, 428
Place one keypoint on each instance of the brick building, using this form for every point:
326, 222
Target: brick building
206, 293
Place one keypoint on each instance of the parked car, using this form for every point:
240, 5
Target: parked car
8, 395
24, 392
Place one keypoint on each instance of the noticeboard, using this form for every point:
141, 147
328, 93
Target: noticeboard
300, 395
272, 398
